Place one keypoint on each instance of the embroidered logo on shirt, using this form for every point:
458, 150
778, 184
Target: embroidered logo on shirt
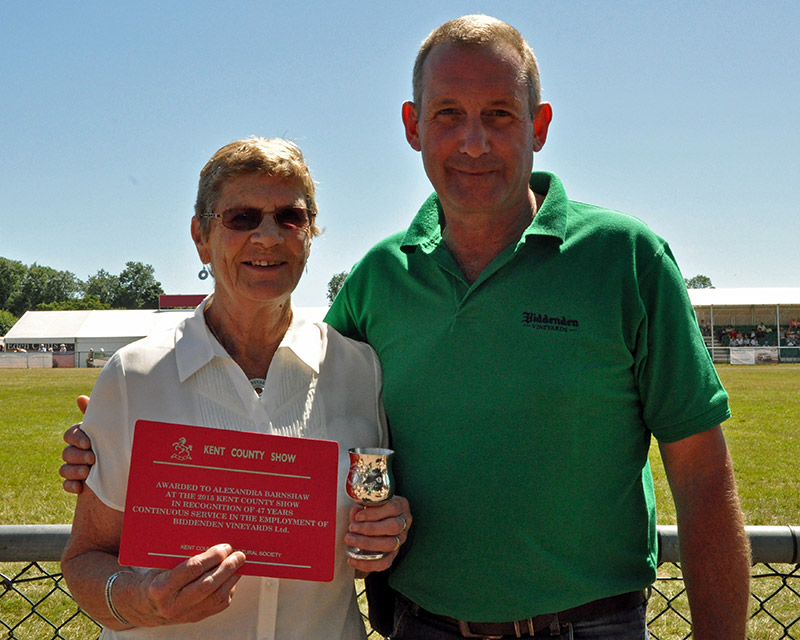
545, 322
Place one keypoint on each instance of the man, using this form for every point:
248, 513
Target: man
530, 346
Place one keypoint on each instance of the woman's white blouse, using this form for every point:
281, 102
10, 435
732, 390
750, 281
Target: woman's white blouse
319, 385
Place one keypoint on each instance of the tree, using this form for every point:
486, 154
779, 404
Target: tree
42, 285
138, 287
11, 274
7, 320
104, 286
334, 284
74, 304
698, 282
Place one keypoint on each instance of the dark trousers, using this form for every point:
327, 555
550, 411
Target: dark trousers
630, 624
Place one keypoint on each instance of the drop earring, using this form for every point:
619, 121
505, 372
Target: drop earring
203, 273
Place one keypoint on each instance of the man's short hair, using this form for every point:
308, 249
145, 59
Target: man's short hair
274, 157
482, 31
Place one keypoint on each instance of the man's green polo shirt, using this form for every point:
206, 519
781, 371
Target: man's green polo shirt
521, 406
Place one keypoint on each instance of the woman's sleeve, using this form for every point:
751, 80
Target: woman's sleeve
107, 424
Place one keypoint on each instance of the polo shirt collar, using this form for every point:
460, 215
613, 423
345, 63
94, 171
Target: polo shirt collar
425, 230
551, 219
195, 348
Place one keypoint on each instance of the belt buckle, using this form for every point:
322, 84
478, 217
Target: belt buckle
466, 632
518, 630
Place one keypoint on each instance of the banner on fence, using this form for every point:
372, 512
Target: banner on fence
754, 355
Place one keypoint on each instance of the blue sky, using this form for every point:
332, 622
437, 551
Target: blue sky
683, 114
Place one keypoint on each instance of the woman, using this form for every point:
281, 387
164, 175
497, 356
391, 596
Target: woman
243, 362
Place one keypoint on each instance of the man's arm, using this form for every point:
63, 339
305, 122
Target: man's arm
715, 552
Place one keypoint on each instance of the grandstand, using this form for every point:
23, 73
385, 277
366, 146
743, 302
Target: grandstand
749, 325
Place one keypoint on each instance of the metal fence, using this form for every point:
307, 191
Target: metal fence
35, 604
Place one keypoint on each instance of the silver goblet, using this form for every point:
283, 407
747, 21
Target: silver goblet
369, 483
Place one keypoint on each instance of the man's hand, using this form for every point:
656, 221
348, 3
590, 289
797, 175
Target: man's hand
78, 456
381, 528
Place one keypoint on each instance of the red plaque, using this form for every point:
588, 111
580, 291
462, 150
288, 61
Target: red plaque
272, 497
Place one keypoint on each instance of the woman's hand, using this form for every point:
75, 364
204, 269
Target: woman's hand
381, 528
78, 456
199, 587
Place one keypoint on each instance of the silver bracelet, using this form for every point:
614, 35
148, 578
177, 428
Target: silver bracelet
109, 603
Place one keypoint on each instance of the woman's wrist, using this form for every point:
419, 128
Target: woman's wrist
109, 599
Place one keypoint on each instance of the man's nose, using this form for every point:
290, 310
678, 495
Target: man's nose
475, 141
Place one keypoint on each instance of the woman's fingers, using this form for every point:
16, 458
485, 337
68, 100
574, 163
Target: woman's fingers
200, 587
381, 528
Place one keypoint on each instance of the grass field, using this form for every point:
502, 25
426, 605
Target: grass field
763, 435
764, 438
37, 406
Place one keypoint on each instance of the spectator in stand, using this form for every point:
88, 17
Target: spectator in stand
730, 331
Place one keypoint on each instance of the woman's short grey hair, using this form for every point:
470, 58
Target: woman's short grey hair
482, 31
275, 157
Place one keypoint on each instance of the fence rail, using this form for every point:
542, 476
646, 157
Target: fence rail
35, 604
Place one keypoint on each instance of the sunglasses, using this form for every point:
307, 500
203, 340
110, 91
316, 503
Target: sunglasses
249, 218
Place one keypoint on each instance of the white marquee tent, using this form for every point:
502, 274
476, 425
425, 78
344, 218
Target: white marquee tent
104, 331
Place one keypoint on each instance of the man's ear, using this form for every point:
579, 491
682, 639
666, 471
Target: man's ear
541, 122
200, 242
411, 124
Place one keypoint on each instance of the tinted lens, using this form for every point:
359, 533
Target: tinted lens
292, 217
242, 218
249, 218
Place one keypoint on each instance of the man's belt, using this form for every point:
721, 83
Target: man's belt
548, 622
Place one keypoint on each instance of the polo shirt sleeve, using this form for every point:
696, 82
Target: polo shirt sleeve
343, 314
680, 391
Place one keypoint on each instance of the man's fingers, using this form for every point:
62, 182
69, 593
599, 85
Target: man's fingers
74, 472
77, 438
83, 402
72, 486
